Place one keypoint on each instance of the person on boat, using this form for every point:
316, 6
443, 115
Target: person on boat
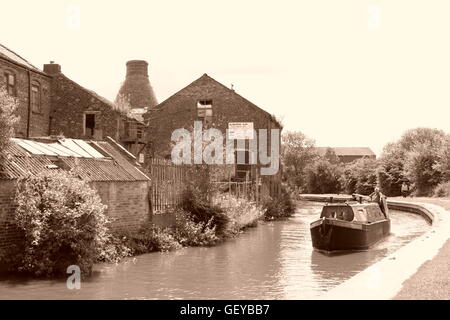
405, 189
377, 196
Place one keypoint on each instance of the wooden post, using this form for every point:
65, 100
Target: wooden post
256, 188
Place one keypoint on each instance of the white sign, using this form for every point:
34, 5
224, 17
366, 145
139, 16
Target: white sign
240, 130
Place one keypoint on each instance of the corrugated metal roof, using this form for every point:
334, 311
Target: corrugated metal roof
346, 151
93, 161
120, 158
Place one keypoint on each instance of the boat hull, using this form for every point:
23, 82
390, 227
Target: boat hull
335, 235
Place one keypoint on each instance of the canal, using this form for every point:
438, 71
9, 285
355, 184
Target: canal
273, 261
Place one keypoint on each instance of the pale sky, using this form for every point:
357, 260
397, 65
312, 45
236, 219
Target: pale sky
345, 73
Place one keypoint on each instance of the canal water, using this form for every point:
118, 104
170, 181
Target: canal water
273, 261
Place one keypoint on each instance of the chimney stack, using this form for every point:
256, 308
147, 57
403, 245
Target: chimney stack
52, 68
137, 89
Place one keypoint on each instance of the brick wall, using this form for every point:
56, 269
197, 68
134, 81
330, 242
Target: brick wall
127, 202
180, 111
8, 232
348, 159
70, 101
39, 119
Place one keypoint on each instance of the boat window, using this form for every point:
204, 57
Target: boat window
348, 215
360, 215
328, 213
340, 213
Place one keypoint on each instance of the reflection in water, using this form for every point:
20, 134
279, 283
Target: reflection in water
273, 261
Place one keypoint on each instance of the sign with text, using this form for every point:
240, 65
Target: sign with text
240, 130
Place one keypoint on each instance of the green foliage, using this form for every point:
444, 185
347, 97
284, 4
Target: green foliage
442, 190
297, 153
8, 107
282, 207
202, 211
149, 238
189, 233
420, 169
390, 169
360, 176
443, 159
323, 177
241, 213
421, 157
331, 156
63, 223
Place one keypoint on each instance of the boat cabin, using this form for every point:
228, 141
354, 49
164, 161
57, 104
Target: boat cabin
364, 213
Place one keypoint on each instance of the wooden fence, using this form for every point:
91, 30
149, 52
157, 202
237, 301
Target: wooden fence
168, 182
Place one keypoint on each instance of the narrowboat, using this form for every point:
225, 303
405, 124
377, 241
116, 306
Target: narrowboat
350, 226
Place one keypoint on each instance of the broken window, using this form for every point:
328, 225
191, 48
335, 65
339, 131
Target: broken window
10, 83
36, 98
89, 124
204, 111
243, 167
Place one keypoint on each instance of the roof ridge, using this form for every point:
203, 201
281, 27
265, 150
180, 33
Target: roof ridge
13, 52
205, 75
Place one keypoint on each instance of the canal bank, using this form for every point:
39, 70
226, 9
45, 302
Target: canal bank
409, 272
273, 261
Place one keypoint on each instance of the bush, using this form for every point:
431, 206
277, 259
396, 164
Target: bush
63, 223
360, 176
279, 208
442, 190
201, 211
189, 233
323, 177
240, 212
8, 107
149, 238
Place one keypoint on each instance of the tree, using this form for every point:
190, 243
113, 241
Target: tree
418, 157
420, 168
323, 177
331, 156
390, 170
360, 176
63, 223
8, 107
297, 153
443, 159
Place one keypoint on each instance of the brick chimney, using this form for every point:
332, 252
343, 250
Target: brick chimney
137, 88
52, 68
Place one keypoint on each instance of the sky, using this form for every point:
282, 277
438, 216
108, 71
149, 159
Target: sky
345, 73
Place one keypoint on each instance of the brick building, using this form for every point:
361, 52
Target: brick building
80, 113
32, 89
135, 97
348, 154
216, 106
109, 168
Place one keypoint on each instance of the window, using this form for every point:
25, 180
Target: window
204, 111
36, 98
89, 124
10, 83
243, 168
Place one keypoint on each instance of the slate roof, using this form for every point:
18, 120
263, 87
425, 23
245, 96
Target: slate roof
347, 151
93, 160
12, 56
